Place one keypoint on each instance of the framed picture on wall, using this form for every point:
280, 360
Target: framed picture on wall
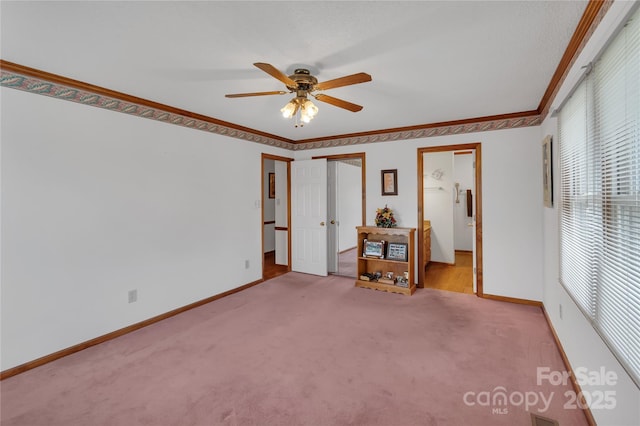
390, 182
272, 185
547, 171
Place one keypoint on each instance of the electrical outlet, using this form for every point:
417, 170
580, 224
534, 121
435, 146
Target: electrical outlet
133, 296
246, 264
560, 310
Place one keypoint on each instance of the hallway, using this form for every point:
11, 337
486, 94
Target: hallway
458, 277
271, 269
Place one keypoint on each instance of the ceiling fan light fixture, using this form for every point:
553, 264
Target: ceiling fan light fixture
290, 109
305, 118
301, 105
309, 109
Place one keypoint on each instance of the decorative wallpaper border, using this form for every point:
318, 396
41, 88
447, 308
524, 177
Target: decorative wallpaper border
54, 90
448, 130
42, 87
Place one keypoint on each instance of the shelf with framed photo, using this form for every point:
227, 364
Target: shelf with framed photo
385, 259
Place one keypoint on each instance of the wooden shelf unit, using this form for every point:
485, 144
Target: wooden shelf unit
371, 264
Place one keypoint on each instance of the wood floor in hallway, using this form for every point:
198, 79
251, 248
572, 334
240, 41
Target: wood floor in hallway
458, 277
271, 270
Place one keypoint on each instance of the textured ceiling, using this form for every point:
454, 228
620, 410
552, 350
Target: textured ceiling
430, 61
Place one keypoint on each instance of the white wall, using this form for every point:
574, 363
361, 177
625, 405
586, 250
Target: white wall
463, 174
438, 204
96, 203
281, 200
281, 213
511, 190
583, 346
349, 204
105, 202
269, 204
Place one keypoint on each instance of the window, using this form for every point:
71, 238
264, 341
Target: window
600, 196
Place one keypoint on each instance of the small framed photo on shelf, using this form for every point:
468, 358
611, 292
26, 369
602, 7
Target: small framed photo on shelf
373, 249
397, 251
402, 282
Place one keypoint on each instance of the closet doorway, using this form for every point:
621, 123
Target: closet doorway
346, 201
450, 218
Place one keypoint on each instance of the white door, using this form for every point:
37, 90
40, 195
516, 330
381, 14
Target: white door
309, 216
332, 214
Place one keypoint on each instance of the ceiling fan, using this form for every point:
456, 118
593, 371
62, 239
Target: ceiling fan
303, 84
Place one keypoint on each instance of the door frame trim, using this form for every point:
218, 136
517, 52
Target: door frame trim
287, 160
477, 146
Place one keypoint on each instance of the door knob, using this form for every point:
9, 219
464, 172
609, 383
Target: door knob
321, 223
333, 222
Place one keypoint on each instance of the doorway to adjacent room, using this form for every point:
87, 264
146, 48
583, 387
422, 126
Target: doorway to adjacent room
450, 218
346, 198
276, 236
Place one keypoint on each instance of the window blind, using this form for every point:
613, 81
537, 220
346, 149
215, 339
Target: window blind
599, 128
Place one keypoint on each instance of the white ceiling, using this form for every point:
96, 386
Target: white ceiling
431, 61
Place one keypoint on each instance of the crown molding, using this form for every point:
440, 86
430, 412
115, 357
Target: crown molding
591, 18
481, 124
470, 125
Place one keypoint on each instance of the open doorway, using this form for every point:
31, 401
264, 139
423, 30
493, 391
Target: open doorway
276, 216
449, 221
345, 209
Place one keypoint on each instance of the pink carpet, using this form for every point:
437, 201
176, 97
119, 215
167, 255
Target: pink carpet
304, 350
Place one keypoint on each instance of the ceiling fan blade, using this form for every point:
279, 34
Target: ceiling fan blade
276, 73
338, 102
361, 77
244, 95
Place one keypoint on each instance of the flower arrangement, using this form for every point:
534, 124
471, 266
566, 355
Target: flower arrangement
384, 218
